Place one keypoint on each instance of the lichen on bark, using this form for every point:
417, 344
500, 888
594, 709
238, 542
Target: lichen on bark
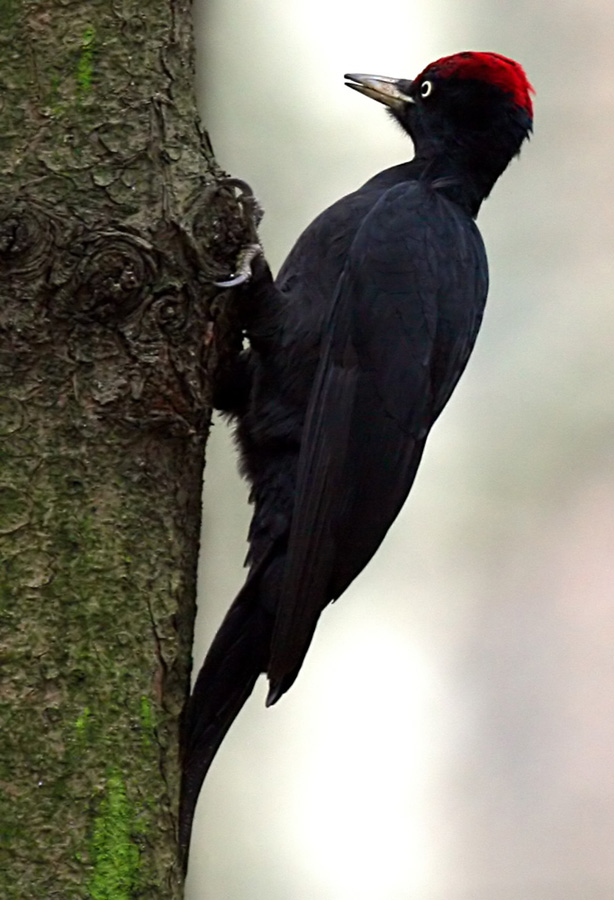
110, 238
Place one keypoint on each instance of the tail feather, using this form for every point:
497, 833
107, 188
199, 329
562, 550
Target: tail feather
231, 668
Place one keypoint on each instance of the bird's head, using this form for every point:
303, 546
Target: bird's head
469, 112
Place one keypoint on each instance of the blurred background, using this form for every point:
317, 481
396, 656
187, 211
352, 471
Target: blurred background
451, 734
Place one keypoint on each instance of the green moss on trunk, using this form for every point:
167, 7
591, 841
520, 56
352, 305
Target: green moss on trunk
115, 857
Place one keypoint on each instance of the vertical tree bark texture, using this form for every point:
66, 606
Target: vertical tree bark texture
107, 241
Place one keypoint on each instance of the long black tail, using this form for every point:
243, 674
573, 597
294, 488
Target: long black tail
231, 668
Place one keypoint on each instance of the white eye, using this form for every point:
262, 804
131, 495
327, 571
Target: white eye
426, 88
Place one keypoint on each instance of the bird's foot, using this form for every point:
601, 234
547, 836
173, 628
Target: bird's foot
252, 213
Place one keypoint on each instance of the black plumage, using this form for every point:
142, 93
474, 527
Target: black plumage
354, 351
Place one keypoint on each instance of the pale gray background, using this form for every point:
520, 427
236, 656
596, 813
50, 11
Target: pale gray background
451, 735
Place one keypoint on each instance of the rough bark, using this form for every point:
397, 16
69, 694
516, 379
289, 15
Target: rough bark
109, 237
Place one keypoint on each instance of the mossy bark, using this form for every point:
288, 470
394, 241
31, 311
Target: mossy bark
109, 237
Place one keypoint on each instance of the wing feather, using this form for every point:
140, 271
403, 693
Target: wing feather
413, 283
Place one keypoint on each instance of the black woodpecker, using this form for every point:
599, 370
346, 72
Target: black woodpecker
354, 350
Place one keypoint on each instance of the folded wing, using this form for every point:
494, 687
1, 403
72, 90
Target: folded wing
403, 322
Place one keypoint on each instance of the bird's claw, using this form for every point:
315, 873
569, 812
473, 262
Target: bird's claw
253, 213
247, 199
243, 271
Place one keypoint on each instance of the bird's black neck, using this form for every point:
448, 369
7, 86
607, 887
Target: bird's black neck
453, 184
465, 188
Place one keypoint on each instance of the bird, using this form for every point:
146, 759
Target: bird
353, 351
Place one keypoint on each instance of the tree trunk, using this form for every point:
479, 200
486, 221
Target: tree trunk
108, 235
